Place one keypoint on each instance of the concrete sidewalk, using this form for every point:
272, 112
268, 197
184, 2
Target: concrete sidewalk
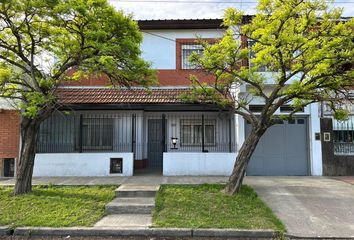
144, 180
309, 206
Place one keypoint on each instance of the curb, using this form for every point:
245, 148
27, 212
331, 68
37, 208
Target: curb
100, 232
5, 230
148, 232
264, 233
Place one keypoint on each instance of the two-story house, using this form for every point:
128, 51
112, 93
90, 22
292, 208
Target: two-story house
119, 132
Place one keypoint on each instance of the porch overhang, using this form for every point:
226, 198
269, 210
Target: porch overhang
146, 107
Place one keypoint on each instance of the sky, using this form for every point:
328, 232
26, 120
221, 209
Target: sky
179, 9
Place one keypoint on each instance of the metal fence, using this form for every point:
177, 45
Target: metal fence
343, 137
141, 133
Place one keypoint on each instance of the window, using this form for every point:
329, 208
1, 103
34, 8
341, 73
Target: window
252, 55
343, 136
9, 167
256, 108
97, 133
186, 52
191, 132
288, 108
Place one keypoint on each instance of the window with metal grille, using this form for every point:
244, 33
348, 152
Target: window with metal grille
191, 132
97, 133
187, 50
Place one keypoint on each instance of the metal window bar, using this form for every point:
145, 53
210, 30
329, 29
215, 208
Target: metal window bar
116, 131
187, 50
343, 137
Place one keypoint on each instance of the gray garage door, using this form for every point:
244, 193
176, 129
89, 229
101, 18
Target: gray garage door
282, 150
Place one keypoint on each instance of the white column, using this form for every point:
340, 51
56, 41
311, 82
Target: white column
315, 151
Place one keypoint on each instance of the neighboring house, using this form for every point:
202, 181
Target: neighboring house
9, 138
114, 132
338, 144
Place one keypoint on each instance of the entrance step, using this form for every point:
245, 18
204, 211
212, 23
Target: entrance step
136, 191
125, 221
125, 205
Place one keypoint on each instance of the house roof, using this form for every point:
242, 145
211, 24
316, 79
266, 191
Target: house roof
180, 24
68, 96
211, 23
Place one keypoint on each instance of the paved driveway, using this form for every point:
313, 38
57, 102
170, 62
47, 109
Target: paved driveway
309, 206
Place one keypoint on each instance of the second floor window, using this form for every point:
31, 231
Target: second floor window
187, 50
252, 55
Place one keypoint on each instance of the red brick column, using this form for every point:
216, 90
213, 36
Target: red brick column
9, 133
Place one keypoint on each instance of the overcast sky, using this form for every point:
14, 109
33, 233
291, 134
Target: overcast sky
169, 9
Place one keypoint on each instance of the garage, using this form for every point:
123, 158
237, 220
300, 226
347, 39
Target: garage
282, 150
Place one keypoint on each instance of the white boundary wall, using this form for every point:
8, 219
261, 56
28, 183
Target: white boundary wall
80, 164
198, 164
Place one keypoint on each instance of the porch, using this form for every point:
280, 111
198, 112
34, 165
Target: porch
117, 142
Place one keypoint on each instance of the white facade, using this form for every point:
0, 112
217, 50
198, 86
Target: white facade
7, 104
159, 46
80, 164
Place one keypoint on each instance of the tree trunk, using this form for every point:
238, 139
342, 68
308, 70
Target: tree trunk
29, 133
242, 160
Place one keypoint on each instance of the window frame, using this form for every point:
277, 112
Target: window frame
193, 123
188, 41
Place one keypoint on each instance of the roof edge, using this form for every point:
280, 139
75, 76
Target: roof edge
180, 24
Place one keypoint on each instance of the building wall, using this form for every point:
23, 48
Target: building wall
80, 164
159, 46
9, 133
198, 164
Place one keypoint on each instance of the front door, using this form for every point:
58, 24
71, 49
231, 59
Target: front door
155, 144
9, 167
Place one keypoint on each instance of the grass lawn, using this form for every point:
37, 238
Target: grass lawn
205, 206
51, 206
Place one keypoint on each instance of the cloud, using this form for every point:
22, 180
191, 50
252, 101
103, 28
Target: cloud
174, 10
165, 10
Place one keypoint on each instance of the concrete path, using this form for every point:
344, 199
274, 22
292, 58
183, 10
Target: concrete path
309, 206
132, 207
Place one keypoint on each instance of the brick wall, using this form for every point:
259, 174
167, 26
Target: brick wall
9, 133
166, 77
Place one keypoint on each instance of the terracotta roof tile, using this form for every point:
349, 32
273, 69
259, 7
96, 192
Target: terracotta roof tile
122, 96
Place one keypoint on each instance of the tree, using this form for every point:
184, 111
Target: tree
41, 40
307, 47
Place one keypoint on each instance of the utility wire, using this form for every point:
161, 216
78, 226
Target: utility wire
160, 36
